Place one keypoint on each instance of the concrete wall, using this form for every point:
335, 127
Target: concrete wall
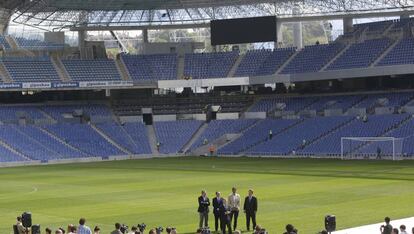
227, 115
161, 118
357, 111
130, 119
201, 117
384, 110
333, 112
254, 115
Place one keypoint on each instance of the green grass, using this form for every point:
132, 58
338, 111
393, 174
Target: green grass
164, 191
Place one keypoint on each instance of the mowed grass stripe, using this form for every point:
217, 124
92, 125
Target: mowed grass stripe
164, 191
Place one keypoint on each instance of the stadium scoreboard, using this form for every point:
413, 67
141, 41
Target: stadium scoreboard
243, 30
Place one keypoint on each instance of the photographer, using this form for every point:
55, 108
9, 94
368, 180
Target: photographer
387, 228
290, 229
117, 229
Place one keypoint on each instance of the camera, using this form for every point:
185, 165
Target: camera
159, 230
205, 230
124, 228
142, 227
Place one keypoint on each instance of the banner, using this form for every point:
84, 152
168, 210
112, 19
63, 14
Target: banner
10, 86
65, 85
105, 84
37, 85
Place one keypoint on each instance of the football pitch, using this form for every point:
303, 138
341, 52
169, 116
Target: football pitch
163, 192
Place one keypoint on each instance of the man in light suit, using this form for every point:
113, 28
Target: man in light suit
217, 203
250, 208
203, 204
234, 206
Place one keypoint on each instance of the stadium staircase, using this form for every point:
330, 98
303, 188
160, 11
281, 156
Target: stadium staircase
61, 70
356, 103
17, 50
194, 138
241, 134
389, 130
152, 139
243, 151
287, 61
390, 48
236, 65
5, 75
120, 65
52, 135
12, 42
336, 57
326, 134
5, 145
38, 142
218, 143
180, 67
110, 140
47, 115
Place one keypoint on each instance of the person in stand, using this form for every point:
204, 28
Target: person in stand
158, 146
250, 208
225, 217
203, 204
270, 134
234, 206
217, 202
211, 149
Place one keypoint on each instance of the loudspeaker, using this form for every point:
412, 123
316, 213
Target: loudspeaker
27, 219
36, 229
330, 223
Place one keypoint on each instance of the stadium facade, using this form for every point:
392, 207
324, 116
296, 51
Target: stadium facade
64, 103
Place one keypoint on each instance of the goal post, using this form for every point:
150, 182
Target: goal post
388, 148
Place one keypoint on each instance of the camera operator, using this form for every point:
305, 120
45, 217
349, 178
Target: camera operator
134, 230
117, 229
290, 229
387, 228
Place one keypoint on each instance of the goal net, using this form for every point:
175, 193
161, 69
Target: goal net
388, 148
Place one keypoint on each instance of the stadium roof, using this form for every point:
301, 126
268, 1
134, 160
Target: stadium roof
68, 13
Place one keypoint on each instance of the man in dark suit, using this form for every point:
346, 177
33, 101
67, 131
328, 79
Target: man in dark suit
203, 204
225, 217
250, 208
217, 202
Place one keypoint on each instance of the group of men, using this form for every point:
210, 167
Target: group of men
227, 211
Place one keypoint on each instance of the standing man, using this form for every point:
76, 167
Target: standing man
203, 204
225, 221
270, 134
217, 203
234, 206
20, 228
250, 208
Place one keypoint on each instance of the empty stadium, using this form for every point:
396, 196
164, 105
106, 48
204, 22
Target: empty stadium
123, 111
